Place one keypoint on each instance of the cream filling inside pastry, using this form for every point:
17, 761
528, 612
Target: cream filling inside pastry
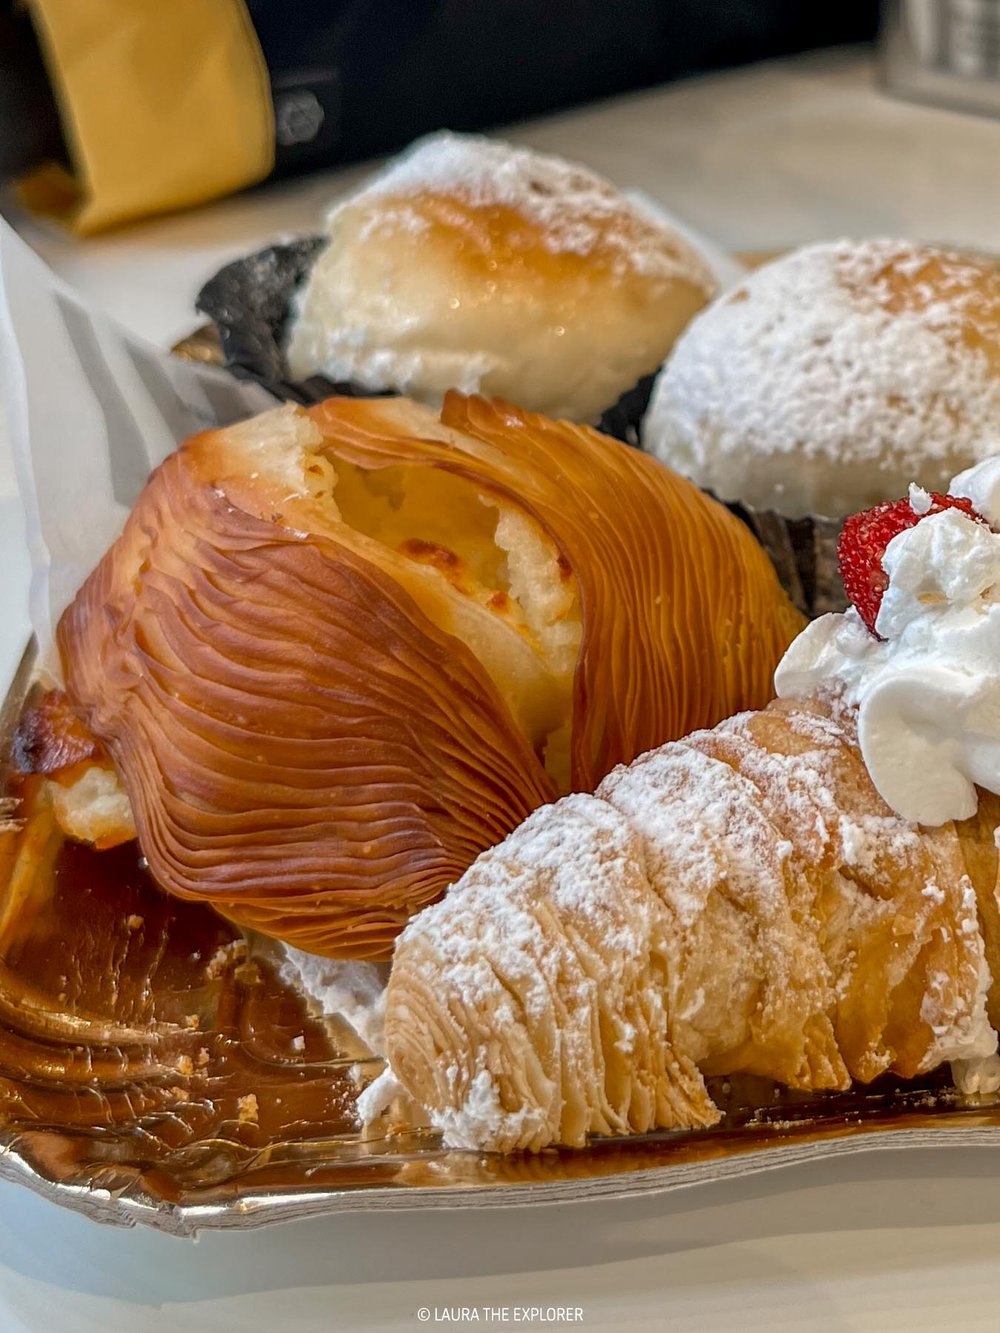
478, 568
94, 807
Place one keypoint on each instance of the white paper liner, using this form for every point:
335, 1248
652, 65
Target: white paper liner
91, 409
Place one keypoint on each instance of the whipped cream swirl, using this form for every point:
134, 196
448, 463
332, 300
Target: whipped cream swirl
928, 691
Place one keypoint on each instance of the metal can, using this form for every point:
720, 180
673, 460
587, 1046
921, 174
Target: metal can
943, 51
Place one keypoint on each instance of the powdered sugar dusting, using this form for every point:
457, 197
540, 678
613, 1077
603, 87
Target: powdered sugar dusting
738, 901
354, 991
479, 1116
962, 1032
834, 376
700, 824
577, 211
546, 945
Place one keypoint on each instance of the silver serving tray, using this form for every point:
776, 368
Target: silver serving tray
133, 1030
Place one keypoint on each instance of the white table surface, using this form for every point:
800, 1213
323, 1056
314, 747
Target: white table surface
759, 158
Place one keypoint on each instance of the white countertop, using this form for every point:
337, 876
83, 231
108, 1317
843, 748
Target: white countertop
759, 159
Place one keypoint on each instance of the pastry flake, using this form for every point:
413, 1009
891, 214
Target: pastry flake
745, 891
336, 653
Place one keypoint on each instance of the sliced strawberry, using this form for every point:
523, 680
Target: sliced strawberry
863, 543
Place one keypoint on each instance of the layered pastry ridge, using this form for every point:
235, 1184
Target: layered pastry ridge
739, 902
336, 653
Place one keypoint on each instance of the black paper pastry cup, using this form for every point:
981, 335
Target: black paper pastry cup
250, 302
804, 554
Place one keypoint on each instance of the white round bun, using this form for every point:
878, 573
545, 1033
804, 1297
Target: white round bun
473, 265
835, 376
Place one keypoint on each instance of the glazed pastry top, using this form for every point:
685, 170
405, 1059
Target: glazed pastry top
474, 265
